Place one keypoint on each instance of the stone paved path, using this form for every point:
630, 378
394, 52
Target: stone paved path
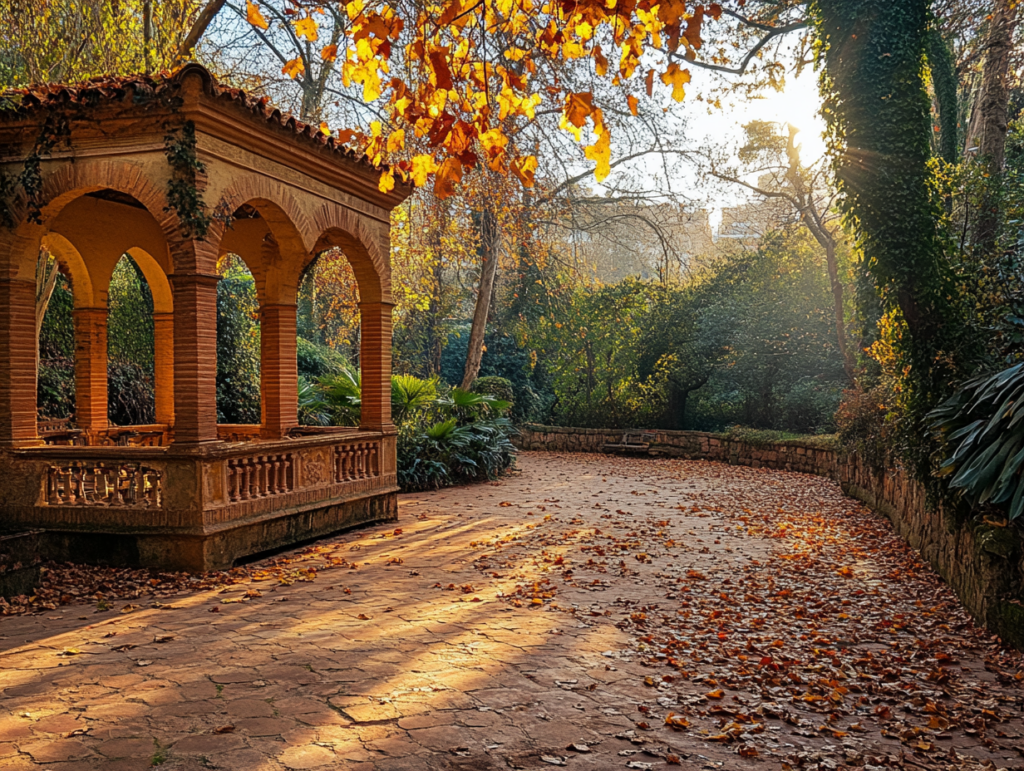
595, 612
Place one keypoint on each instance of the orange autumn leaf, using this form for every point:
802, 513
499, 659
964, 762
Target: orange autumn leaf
254, 16
306, 28
329, 53
578, 107
677, 78
446, 177
633, 104
293, 68
693, 25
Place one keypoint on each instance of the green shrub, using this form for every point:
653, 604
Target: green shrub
238, 347
447, 453
313, 410
317, 361
445, 436
982, 423
56, 387
498, 387
131, 400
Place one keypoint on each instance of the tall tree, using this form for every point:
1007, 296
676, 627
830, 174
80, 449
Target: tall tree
808, 191
987, 134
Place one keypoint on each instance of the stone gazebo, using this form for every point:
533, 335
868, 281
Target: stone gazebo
177, 171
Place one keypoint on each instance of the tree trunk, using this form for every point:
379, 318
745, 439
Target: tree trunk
814, 223
206, 16
147, 34
944, 85
46, 282
489, 246
989, 120
837, 307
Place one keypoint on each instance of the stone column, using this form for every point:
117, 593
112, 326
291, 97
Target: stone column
91, 370
279, 374
163, 366
375, 365
18, 346
195, 357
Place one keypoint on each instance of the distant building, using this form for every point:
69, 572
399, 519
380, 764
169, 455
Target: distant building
636, 240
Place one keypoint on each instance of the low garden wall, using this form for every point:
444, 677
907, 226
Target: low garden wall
984, 564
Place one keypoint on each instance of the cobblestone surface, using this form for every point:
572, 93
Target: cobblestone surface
516, 625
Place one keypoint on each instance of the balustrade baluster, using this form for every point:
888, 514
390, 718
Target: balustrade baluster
247, 470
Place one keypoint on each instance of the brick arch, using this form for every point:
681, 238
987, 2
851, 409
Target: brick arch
342, 228
274, 201
274, 262
82, 288
73, 180
159, 285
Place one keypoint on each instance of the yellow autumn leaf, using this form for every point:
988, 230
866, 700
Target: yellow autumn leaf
422, 167
293, 68
387, 181
396, 141
524, 169
677, 78
601, 153
306, 28
325, 129
253, 15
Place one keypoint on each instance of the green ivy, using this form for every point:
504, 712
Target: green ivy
183, 195
871, 56
56, 129
944, 82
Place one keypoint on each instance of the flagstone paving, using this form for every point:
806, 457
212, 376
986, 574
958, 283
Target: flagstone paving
592, 612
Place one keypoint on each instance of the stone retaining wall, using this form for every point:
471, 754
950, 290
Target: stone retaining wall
983, 564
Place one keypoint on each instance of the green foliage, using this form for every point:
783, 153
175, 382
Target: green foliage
448, 453
410, 394
316, 361
343, 393
445, 436
56, 377
498, 387
749, 340
130, 385
130, 393
983, 424
313, 410
130, 317
871, 55
238, 346
944, 83
508, 358
764, 437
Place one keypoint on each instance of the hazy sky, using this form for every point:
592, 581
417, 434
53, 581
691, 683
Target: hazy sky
797, 104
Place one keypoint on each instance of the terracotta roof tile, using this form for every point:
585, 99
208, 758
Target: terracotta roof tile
162, 88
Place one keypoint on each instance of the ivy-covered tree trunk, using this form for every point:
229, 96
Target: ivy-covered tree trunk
878, 110
944, 84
